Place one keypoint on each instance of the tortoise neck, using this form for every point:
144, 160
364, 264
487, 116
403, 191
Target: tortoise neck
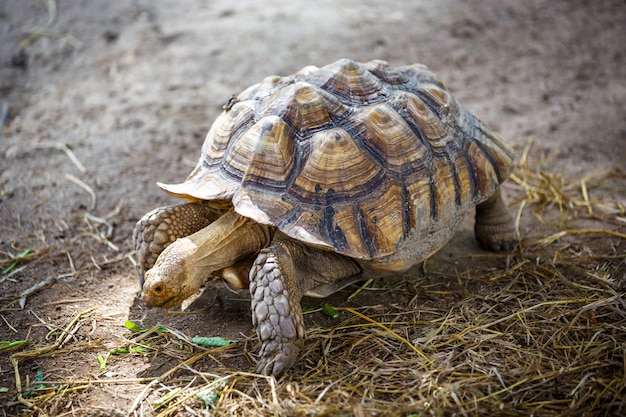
226, 241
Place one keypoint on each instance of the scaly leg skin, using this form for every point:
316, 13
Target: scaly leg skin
159, 228
280, 275
276, 311
494, 228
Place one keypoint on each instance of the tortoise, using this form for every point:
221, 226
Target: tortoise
311, 182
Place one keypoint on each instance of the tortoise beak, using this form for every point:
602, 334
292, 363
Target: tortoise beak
156, 292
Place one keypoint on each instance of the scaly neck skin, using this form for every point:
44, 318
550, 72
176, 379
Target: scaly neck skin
184, 266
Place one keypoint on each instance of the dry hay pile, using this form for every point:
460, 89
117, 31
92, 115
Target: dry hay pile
543, 336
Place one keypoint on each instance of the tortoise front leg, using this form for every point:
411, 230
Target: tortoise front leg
159, 228
281, 274
494, 228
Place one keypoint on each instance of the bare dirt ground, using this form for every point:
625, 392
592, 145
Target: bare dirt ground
114, 96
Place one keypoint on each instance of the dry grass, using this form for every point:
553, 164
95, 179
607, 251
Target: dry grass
543, 334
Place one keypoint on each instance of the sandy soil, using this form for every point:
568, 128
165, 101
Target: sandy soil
118, 95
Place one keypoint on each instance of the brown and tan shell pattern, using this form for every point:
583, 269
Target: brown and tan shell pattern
352, 157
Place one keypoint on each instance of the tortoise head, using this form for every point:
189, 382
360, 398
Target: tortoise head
226, 245
171, 280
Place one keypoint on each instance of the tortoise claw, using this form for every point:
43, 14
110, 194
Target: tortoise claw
501, 245
277, 357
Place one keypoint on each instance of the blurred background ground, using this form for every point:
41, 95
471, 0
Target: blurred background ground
114, 96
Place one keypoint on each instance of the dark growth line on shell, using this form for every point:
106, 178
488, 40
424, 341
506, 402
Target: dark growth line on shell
357, 132
333, 231
433, 196
457, 183
490, 158
364, 232
416, 131
291, 216
406, 215
473, 176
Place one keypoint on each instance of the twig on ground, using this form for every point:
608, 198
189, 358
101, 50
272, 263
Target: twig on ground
85, 187
62, 147
35, 289
52, 18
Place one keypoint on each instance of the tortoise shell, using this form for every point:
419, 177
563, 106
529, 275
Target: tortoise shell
373, 162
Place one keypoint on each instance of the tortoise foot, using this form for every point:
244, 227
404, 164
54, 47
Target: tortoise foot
277, 357
494, 228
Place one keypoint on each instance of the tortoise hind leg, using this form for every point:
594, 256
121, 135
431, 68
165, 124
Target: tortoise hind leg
159, 228
494, 228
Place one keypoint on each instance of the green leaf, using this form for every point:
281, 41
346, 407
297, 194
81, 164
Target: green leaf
6, 345
140, 348
18, 258
330, 311
136, 328
208, 397
132, 349
38, 378
133, 327
102, 360
212, 341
